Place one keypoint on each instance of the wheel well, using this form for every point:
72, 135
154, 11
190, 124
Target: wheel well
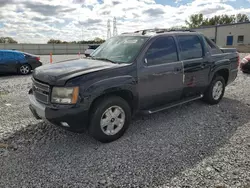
125, 94
224, 73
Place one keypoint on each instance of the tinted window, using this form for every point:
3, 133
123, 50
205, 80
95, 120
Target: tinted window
19, 56
190, 47
8, 56
162, 50
240, 39
28, 55
1, 55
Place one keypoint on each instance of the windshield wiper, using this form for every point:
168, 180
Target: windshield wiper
104, 59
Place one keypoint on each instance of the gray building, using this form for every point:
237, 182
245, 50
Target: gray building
236, 34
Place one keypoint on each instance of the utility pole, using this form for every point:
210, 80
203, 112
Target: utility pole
108, 29
114, 27
82, 32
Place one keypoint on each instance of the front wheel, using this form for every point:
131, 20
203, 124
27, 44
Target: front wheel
110, 118
24, 69
215, 91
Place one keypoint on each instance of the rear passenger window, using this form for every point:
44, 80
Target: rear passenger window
190, 47
19, 56
8, 56
1, 55
162, 50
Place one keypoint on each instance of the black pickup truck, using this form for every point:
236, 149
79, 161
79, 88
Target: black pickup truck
146, 71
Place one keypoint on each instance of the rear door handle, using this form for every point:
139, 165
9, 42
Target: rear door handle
176, 70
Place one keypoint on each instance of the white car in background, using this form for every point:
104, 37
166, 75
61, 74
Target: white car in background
90, 49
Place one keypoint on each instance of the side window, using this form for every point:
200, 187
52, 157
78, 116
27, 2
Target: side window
19, 56
241, 39
190, 47
162, 50
213, 49
4, 56
9, 56
1, 56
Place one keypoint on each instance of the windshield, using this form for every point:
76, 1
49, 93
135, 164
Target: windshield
120, 49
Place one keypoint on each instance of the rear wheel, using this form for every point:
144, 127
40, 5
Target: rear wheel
110, 118
24, 69
215, 91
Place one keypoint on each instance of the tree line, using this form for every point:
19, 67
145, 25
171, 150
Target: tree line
95, 41
198, 20
7, 40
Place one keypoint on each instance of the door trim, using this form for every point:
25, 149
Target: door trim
171, 105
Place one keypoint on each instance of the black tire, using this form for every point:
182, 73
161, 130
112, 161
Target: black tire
97, 112
246, 72
26, 67
208, 95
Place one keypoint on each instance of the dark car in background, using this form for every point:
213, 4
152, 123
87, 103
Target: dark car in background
12, 61
245, 64
90, 49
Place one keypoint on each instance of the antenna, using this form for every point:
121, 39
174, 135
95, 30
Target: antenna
108, 29
114, 27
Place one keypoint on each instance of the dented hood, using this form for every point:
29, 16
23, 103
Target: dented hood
59, 73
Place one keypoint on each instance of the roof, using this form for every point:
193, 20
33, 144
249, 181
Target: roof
222, 25
154, 32
3, 50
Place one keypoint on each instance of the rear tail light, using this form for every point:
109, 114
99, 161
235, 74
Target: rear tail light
38, 58
238, 59
244, 61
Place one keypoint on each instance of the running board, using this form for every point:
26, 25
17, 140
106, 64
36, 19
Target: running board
171, 105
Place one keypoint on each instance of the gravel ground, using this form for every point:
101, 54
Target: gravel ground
194, 145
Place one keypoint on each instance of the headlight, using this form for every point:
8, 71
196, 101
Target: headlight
65, 95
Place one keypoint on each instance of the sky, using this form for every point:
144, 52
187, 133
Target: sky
37, 21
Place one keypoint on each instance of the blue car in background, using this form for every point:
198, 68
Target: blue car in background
12, 61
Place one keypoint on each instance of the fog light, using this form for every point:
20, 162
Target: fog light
64, 124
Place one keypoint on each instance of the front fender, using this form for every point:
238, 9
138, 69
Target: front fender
109, 85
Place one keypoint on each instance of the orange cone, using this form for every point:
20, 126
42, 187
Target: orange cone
50, 57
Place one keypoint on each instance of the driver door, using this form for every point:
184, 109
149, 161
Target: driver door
160, 74
8, 62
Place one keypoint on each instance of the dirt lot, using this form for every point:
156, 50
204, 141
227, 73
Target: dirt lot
194, 145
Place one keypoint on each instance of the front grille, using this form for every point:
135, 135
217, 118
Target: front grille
41, 91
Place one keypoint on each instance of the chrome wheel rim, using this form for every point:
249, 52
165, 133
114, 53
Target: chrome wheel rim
112, 120
217, 90
24, 69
